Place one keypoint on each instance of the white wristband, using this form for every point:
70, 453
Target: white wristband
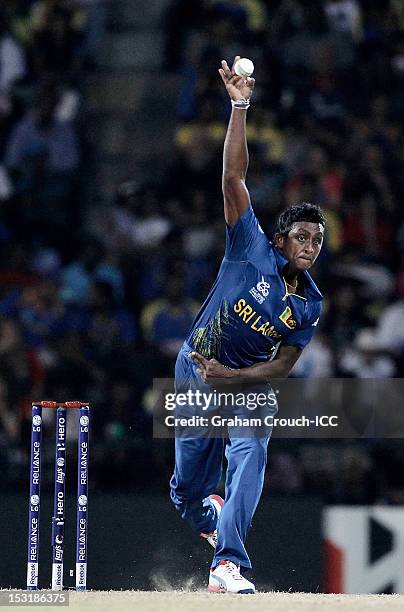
243, 103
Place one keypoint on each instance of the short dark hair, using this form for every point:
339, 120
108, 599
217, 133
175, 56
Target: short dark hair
299, 212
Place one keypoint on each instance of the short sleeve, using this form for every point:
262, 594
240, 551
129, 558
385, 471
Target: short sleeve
302, 336
243, 236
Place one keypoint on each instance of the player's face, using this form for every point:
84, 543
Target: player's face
302, 245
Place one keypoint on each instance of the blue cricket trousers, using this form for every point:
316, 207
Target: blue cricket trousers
197, 472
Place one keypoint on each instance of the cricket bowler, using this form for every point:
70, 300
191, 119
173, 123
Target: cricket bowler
261, 312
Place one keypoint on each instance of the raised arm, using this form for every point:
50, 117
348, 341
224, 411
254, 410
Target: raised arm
235, 154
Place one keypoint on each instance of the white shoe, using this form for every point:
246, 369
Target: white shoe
226, 578
217, 502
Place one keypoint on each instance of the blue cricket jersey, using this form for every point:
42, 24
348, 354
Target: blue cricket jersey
249, 312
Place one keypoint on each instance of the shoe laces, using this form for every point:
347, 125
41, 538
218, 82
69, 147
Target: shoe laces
232, 569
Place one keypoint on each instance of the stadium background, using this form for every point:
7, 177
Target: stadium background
112, 120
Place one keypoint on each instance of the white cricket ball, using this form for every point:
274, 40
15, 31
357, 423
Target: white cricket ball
244, 67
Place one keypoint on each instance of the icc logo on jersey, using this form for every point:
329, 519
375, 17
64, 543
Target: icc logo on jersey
260, 291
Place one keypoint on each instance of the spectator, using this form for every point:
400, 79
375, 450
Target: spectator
12, 61
95, 25
111, 329
345, 16
391, 327
137, 220
9, 424
58, 30
165, 322
42, 137
366, 359
79, 277
316, 361
12, 70
21, 369
43, 158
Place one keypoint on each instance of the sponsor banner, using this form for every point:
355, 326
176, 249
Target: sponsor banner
81, 575
364, 549
32, 575
57, 576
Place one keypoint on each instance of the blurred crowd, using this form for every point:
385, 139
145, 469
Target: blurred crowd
96, 316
